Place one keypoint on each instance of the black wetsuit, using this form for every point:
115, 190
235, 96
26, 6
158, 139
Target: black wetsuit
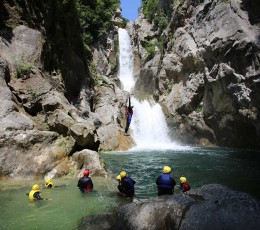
49, 186
37, 196
129, 114
85, 184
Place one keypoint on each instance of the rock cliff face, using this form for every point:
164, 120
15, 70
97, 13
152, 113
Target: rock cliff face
206, 74
52, 107
57, 102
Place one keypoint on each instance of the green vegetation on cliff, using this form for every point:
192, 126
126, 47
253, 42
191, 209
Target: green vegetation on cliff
154, 12
95, 18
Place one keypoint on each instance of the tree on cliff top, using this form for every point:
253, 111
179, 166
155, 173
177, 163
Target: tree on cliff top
95, 18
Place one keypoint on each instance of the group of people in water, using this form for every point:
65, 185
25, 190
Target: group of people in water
126, 185
165, 183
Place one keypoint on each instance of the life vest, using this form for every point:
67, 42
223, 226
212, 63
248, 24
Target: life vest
185, 187
165, 181
31, 195
131, 183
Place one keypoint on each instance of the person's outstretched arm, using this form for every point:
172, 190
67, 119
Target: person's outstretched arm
129, 105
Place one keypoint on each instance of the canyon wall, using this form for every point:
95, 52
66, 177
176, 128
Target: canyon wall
204, 70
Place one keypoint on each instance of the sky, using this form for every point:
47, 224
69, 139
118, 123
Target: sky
130, 9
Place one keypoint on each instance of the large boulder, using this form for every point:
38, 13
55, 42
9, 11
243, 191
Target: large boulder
212, 206
31, 154
34, 154
88, 159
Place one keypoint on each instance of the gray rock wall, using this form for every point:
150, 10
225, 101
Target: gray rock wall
47, 94
209, 65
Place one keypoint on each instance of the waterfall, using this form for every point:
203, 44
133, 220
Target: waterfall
126, 61
51, 174
148, 127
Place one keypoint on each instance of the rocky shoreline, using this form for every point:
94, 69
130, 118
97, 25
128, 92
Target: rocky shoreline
212, 206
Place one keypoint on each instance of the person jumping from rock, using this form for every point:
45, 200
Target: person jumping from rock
129, 114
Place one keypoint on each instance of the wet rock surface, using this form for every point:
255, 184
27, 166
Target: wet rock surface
212, 206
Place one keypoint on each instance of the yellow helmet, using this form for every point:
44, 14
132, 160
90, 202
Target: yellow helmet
48, 180
183, 179
36, 187
122, 174
166, 169
48, 183
118, 177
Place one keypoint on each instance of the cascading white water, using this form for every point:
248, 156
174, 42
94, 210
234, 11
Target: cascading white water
126, 61
148, 126
51, 174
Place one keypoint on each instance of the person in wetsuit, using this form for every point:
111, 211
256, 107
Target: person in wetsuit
165, 183
126, 185
48, 183
129, 114
184, 186
35, 193
85, 183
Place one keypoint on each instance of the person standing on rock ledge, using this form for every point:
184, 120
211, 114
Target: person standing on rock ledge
85, 183
129, 114
165, 183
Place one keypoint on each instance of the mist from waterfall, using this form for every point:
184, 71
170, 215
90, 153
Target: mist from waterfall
148, 127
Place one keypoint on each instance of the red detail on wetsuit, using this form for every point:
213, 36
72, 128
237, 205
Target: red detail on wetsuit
88, 187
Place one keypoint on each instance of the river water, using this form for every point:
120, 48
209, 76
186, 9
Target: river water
237, 169
66, 207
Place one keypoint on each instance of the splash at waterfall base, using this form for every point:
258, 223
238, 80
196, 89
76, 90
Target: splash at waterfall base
212, 206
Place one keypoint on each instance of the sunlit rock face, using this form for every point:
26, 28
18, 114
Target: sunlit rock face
209, 65
51, 106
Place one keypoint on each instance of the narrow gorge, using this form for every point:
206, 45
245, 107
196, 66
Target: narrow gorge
192, 70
